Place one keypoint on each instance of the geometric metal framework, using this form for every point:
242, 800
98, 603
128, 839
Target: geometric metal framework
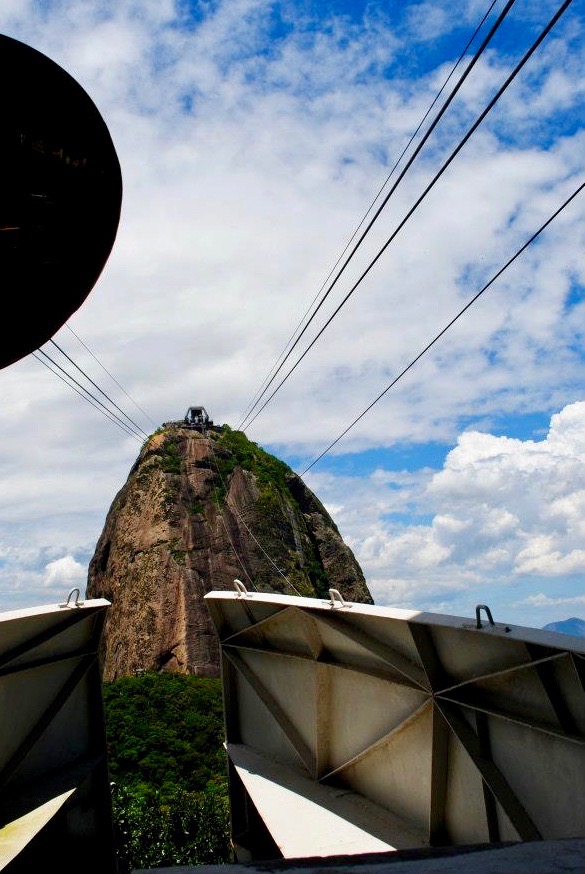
352, 728
55, 807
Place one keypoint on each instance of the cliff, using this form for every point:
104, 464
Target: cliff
196, 512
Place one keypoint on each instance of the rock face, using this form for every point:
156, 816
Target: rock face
197, 512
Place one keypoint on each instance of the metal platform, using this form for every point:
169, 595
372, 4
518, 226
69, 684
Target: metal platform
352, 728
55, 807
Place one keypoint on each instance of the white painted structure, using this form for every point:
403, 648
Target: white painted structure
352, 732
354, 729
55, 808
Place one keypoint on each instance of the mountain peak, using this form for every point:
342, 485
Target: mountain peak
572, 626
198, 510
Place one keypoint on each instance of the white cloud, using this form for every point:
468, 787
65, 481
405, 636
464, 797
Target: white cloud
427, 21
542, 600
64, 571
504, 509
248, 156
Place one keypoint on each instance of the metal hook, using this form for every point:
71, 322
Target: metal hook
241, 589
337, 596
488, 613
77, 602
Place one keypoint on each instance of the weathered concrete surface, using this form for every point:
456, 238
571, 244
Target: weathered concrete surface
541, 857
190, 519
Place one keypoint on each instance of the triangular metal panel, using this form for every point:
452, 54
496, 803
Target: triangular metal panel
466, 655
292, 685
564, 678
44, 633
284, 631
259, 724
377, 707
397, 773
68, 736
465, 810
516, 693
547, 775
364, 654
394, 633
233, 615
35, 691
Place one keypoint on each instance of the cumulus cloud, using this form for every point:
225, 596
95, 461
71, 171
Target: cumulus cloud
525, 496
502, 510
252, 137
542, 600
31, 575
65, 570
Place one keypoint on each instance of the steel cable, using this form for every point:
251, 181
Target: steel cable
401, 176
435, 179
446, 328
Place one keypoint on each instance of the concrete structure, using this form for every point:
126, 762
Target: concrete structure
359, 739
55, 808
542, 857
355, 729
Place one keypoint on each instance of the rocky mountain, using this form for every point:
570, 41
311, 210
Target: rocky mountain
198, 511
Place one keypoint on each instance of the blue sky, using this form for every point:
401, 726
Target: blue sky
252, 137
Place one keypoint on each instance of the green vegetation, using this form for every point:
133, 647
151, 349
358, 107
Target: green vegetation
167, 763
299, 579
241, 452
268, 504
178, 555
196, 508
146, 470
170, 456
233, 449
179, 829
318, 577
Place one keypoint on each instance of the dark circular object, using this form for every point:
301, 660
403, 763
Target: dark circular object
60, 197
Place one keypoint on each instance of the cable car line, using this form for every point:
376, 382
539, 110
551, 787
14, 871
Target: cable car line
85, 398
401, 176
250, 532
431, 184
251, 404
77, 391
370, 207
446, 328
97, 400
112, 377
95, 385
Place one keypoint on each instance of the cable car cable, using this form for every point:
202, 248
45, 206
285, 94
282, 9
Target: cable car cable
95, 385
435, 179
112, 377
446, 328
81, 395
401, 176
97, 400
250, 405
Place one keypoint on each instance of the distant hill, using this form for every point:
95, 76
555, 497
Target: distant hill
568, 626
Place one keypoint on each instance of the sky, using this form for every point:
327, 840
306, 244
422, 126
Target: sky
253, 137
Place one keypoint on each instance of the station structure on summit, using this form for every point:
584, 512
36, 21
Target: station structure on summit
198, 419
